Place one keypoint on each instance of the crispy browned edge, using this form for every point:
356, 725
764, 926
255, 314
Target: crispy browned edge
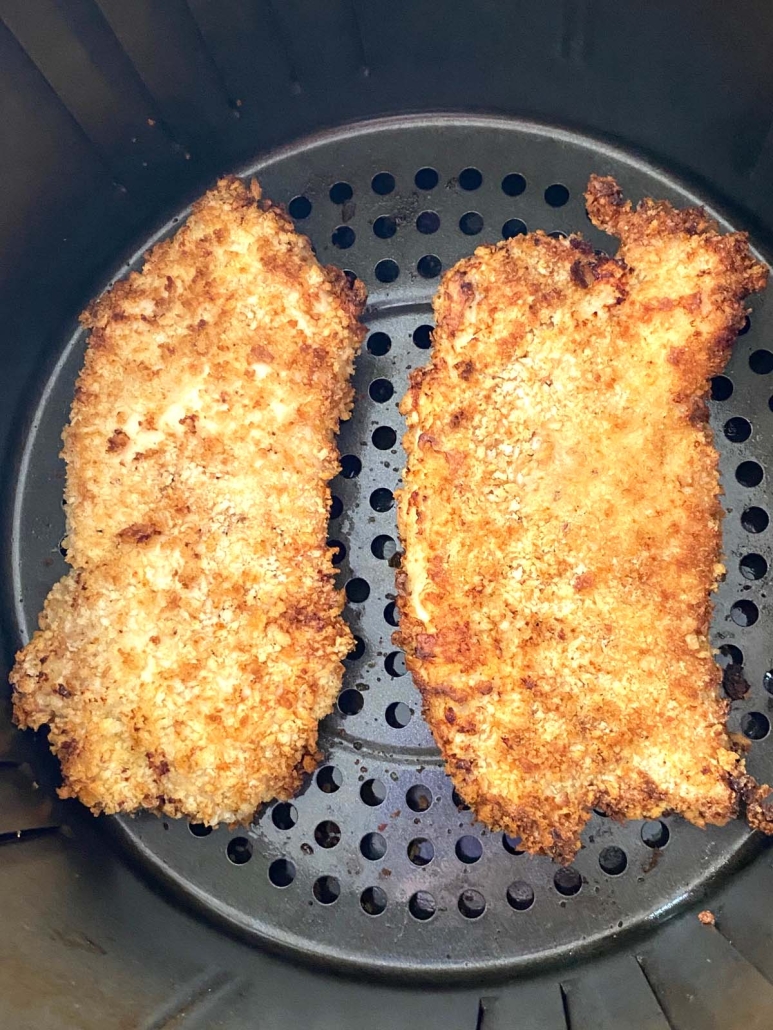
352, 293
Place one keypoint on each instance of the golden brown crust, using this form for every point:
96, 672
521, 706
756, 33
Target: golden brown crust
184, 663
561, 525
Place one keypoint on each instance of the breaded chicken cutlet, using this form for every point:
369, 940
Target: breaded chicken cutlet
560, 520
184, 662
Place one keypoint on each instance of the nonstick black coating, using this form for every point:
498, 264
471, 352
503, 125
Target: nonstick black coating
375, 866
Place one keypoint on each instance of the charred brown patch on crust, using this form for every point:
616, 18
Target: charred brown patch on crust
139, 533
584, 581
582, 273
117, 441
260, 353
734, 682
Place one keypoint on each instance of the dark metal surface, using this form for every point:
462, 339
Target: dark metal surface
432, 848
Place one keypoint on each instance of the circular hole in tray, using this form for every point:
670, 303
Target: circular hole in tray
755, 725
394, 663
357, 590
749, 473
512, 844
340, 192
373, 793
327, 833
239, 850
383, 183
471, 904
299, 208
470, 179
721, 388
513, 227
471, 223
351, 466
381, 390
385, 227
567, 881
384, 438
199, 829
343, 237
281, 872
761, 362
284, 815
422, 906
513, 184
398, 715
428, 222
429, 266
655, 833
382, 499
755, 520
732, 653
350, 701
418, 797
613, 860
737, 429
329, 779
379, 344
391, 614
753, 566
383, 547
422, 337
426, 179
556, 195
373, 846
373, 901
468, 849
326, 890
744, 613
386, 271
421, 851
520, 895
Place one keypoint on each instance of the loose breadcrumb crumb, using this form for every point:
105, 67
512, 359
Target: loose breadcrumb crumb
560, 519
707, 918
184, 663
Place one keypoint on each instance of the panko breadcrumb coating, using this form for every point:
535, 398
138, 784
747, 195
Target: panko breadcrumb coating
184, 663
560, 519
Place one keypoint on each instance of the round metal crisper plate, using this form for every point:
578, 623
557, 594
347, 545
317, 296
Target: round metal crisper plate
375, 866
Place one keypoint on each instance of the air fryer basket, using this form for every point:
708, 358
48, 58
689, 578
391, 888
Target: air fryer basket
376, 872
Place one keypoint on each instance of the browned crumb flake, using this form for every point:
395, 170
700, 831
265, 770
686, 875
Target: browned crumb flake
707, 918
560, 519
184, 663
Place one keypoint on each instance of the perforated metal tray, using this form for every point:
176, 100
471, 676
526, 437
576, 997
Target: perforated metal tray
375, 867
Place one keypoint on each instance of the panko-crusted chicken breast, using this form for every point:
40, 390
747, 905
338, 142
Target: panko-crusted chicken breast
560, 520
184, 662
